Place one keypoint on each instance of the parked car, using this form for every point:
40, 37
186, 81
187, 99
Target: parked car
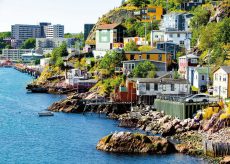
200, 98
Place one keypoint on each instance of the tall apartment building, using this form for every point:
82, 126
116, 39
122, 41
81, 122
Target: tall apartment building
54, 31
23, 32
42, 25
87, 29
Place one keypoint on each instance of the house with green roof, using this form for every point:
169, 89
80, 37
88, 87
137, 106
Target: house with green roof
200, 77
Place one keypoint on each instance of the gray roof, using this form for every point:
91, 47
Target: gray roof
155, 51
189, 56
142, 60
163, 80
226, 68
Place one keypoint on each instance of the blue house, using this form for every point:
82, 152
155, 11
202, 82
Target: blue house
191, 4
169, 47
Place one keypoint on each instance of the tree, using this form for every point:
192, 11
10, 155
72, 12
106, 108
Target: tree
29, 43
143, 69
111, 60
58, 53
131, 46
145, 48
63, 49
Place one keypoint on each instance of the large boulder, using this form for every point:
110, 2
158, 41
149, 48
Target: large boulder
126, 142
226, 160
128, 122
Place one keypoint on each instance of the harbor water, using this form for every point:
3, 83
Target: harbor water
64, 138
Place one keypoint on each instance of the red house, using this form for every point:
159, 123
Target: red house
126, 93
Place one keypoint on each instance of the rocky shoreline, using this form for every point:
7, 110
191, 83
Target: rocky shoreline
187, 135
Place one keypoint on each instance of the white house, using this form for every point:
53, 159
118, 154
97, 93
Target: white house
165, 86
221, 82
44, 62
200, 77
79, 79
177, 37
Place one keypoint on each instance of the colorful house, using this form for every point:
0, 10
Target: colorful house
200, 77
108, 35
187, 65
138, 40
150, 13
221, 82
159, 58
126, 93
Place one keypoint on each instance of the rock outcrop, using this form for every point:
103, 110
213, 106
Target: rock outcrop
221, 11
126, 142
156, 122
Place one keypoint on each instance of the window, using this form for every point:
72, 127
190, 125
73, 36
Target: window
216, 77
131, 57
170, 35
164, 87
202, 77
193, 61
133, 66
147, 86
220, 78
148, 57
172, 87
154, 17
155, 87
140, 57
181, 42
159, 57
224, 78
156, 36
178, 35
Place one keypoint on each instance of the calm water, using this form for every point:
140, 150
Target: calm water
64, 138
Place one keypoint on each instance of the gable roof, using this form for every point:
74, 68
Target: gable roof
107, 26
202, 70
226, 68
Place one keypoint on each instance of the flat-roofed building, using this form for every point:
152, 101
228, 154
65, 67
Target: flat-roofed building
15, 54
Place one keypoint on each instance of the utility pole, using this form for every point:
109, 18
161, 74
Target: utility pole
208, 72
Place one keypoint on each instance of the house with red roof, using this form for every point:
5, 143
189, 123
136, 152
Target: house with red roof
109, 36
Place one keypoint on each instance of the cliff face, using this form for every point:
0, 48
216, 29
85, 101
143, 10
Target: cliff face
221, 11
114, 16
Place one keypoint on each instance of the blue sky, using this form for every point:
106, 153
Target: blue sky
71, 13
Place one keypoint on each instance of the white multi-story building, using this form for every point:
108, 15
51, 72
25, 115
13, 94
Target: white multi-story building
54, 31
53, 42
176, 22
177, 37
15, 54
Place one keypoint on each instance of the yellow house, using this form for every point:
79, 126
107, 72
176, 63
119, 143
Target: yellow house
151, 13
159, 58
